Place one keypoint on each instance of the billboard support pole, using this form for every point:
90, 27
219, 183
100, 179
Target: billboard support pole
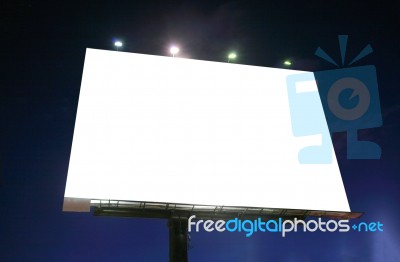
178, 239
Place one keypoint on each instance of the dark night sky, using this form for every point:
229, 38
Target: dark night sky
41, 57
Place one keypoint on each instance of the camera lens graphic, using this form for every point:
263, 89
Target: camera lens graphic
358, 89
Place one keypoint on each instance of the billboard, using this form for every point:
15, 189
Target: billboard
173, 130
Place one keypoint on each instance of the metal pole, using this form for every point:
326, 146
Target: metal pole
178, 240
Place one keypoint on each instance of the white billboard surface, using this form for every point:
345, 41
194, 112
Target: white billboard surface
163, 129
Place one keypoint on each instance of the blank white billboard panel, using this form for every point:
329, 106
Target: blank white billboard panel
163, 129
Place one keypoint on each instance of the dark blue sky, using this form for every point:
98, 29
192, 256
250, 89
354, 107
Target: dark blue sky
41, 58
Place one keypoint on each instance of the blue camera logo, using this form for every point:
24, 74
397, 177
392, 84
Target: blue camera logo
350, 101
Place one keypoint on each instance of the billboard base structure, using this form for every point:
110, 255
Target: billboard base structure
177, 211
178, 214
